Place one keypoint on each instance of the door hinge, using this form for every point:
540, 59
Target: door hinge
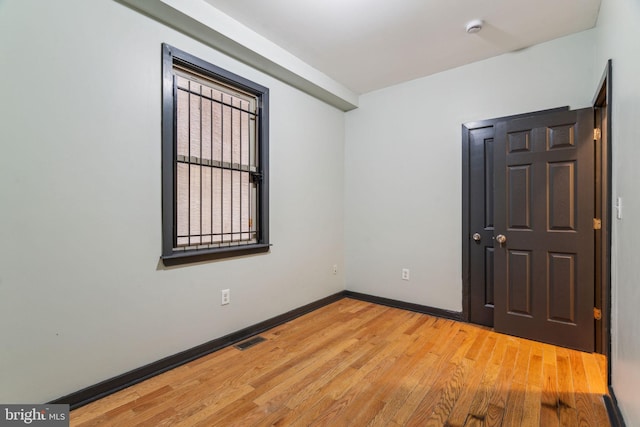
597, 313
597, 224
596, 134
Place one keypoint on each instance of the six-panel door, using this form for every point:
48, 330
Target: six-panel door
543, 206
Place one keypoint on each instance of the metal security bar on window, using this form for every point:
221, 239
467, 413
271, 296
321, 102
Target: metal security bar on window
216, 174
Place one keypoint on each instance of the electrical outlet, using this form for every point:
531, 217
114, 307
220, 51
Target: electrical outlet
226, 297
405, 274
335, 269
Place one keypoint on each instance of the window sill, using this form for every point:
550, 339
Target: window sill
187, 257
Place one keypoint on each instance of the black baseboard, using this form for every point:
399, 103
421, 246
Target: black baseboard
424, 309
613, 410
120, 382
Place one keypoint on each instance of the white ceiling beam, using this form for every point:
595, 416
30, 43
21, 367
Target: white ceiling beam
205, 23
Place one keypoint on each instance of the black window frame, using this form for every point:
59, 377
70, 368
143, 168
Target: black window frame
172, 56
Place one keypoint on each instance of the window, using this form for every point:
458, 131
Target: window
214, 161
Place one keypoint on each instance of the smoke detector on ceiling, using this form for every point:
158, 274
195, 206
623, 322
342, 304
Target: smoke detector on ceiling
474, 26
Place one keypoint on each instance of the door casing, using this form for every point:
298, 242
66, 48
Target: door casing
602, 106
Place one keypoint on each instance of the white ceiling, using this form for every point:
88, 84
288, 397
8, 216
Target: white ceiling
370, 44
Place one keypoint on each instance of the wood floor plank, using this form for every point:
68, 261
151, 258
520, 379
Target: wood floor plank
602, 363
446, 389
354, 363
586, 402
282, 389
403, 387
533, 393
450, 338
515, 397
494, 416
480, 403
306, 416
549, 415
480, 336
597, 386
483, 392
462, 406
597, 381
566, 405
359, 393
109, 403
380, 396
500, 391
424, 385
319, 382
450, 394
472, 339
196, 413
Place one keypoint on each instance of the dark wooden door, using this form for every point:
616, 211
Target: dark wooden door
477, 222
544, 208
481, 225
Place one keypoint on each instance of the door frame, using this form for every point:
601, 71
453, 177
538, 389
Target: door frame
602, 108
603, 207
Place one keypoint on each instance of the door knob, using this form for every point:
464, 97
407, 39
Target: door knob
477, 237
501, 238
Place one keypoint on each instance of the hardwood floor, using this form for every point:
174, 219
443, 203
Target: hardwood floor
354, 363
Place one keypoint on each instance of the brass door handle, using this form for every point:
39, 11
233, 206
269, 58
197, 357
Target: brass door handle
477, 237
501, 238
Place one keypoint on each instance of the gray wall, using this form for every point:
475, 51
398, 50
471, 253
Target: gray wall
403, 163
619, 39
83, 296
